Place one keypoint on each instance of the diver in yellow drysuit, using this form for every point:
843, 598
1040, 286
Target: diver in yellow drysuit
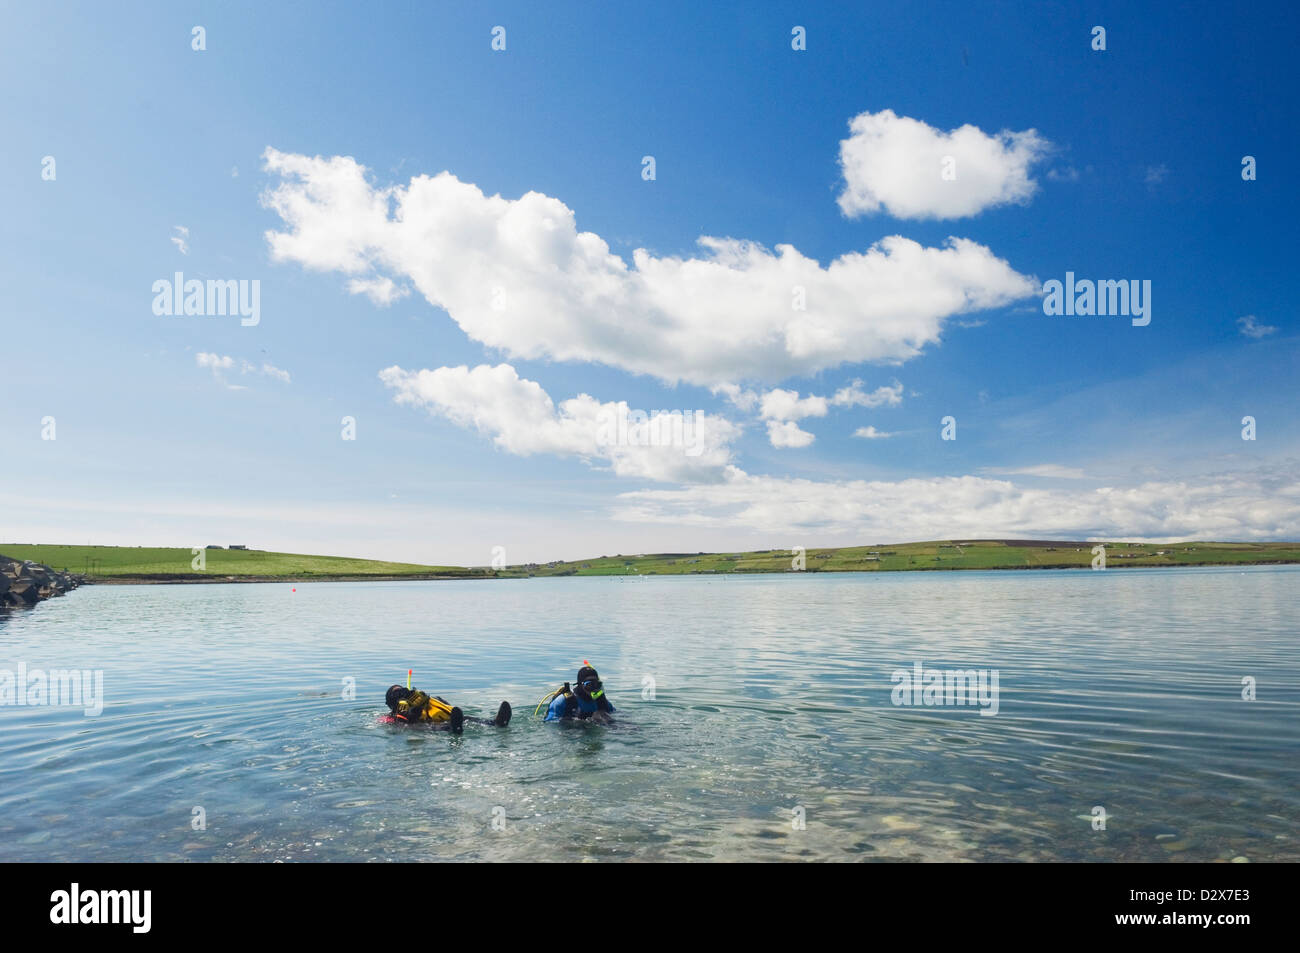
414, 706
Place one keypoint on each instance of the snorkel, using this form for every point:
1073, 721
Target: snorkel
591, 690
587, 687
587, 684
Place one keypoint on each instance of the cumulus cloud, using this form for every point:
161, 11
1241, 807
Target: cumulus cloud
871, 433
1251, 328
788, 405
382, 290
897, 164
1258, 504
786, 435
517, 275
739, 397
780, 408
521, 419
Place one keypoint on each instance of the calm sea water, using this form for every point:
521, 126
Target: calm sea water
771, 703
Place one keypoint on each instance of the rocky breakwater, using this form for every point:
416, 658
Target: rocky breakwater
25, 583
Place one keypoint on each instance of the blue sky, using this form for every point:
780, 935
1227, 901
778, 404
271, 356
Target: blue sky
1066, 426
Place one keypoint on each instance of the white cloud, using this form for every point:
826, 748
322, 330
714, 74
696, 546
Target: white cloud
521, 419
270, 370
1250, 505
218, 364
854, 396
383, 291
780, 408
739, 397
517, 275
788, 405
786, 435
181, 239
1155, 174
214, 361
1251, 328
895, 163
871, 433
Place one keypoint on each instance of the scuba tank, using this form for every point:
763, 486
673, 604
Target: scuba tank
419, 706
571, 702
565, 690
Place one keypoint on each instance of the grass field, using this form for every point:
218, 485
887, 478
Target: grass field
124, 563
950, 554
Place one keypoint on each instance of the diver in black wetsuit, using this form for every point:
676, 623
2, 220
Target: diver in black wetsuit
587, 700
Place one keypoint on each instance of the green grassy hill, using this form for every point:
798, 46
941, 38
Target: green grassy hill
941, 554
124, 563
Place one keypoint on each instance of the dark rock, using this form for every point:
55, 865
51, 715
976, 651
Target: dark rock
24, 593
25, 583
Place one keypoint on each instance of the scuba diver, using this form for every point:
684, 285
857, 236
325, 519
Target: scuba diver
585, 701
414, 706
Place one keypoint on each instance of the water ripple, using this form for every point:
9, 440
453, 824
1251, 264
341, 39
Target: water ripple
770, 733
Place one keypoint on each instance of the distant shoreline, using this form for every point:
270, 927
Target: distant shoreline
157, 580
210, 565
217, 580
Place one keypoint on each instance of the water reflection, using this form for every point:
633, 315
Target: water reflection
772, 704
